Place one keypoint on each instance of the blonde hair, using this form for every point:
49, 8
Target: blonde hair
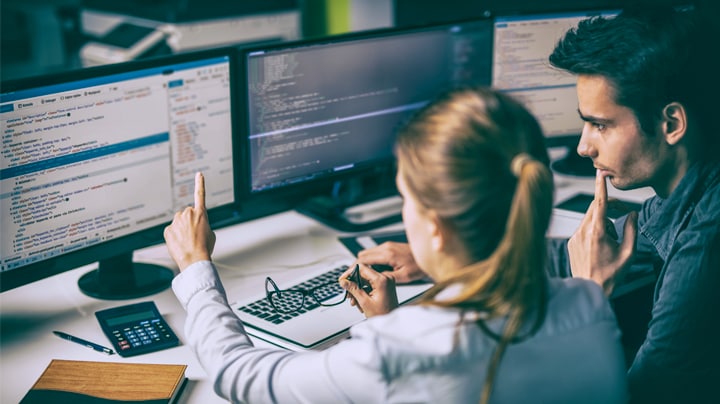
477, 158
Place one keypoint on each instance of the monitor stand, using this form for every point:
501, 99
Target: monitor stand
119, 278
574, 165
357, 204
356, 218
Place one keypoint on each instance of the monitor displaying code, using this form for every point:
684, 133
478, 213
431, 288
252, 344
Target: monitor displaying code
87, 161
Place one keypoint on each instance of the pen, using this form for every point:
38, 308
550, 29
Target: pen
81, 341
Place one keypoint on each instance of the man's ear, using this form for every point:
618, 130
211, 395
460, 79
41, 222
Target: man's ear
674, 122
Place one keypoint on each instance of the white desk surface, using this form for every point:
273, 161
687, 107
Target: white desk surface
281, 244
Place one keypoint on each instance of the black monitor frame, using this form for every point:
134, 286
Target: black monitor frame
421, 12
117, 276
326, 197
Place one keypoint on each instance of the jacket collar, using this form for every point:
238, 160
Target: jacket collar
667, 217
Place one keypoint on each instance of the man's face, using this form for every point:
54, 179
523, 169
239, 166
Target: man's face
613, 139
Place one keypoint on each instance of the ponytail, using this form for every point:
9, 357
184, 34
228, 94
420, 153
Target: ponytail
521, 288
511, 282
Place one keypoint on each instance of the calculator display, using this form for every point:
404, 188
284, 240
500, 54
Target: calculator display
136, 329
145, 315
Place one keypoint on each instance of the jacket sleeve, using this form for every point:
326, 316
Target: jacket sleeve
244, 373
678, 361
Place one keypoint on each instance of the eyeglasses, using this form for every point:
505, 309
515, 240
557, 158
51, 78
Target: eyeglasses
291, 300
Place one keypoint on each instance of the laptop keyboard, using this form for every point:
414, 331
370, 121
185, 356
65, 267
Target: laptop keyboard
261, 308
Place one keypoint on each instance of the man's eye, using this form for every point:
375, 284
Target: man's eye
599, 126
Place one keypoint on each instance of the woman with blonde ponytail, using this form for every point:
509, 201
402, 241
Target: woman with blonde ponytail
477, 198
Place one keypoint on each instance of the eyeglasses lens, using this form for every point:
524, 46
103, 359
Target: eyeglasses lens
286, 301
329, 294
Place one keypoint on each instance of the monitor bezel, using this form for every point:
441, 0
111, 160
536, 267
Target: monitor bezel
419, 12
219, 216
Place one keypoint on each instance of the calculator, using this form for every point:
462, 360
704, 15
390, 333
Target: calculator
136, 329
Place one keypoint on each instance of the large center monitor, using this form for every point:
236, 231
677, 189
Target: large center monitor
522, 45
321, 115
96, 162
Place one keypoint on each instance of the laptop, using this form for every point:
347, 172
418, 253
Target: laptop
316, 327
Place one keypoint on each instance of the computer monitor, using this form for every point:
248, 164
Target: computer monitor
321, 114
96, 162
522, 45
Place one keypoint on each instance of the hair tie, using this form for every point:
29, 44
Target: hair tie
518, 162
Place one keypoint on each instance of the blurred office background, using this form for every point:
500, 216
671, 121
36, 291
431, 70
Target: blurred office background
45, 36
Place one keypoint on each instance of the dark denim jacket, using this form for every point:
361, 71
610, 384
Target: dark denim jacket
679, 361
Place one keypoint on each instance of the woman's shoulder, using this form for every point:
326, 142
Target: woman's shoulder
575, 302
414, 327
415, 319
560, 287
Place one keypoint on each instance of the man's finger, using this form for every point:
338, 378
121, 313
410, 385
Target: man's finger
199, 191
601, 200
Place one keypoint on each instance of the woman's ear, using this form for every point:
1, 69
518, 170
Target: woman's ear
438, 237
674, 123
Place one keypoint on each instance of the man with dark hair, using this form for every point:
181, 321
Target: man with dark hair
647, 91
647, 84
